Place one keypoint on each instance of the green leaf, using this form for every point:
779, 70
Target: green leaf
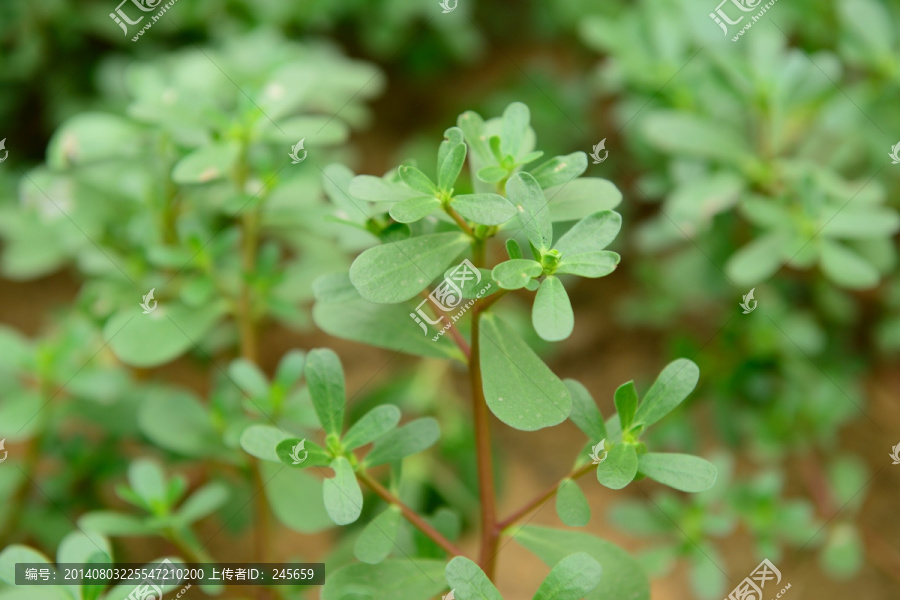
560, 169
552, 314
844, 552
208, 163
371, 426
626, 400
516, 273
847, 268
417, 180
112, 523
451, 166
91, 137
572, 578
472, 126
412, 438
376, 541
591, 234
310, 454
346, 315
78, 547
758, 260
689, 135
290, 369
585, 413
675, 382
870, 22
485, 209
341, 494
249, 378
325, 378
620, 466
491, 174
589, 264
581, 197
202, 503
453, 136
623, 578
514, 128
153, 339
469, 581
513, 249
18, 553
397, 579
397, 271
863, 223
680, 471
261, 440
571, 505
191, 434
296, 498
519, 388
378, 189
524, 191
413, 209
147, 480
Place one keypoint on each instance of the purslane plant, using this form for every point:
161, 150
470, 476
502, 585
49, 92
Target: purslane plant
426, 227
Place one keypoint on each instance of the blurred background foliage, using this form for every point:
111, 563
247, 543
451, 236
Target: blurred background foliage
762, 163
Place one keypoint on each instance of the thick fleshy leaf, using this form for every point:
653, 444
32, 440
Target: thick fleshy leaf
451, 166
417, 180
261, 440
191, 434
626, 400
571, 505
758, 260
17, 553
412, 438
296, 498
591, 234
472, 126
378, 189
680, 471
307, 453
513, 249
560, 169
491, 173
689, 135
341, 494
485, 209
209, 163
397, 579
371, 426
572, 578
585, 413
525, 193
149, 340
551, 313
514, 128
341, 312
675, 382
147, 480
453, 136
325, 378
519, 388
397, 271
619, 467
112, 523
516, 273
249, 378
623, 578
413, 209
847, 268
469, 581
589, 264
202, 503
376, 541
863, 223
581, 197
